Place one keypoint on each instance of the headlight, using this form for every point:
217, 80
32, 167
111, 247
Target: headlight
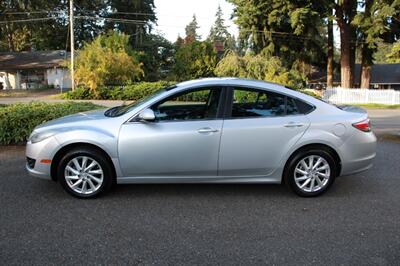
36, 137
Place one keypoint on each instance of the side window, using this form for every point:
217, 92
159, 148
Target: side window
190, 105
291, 107
255, 103
295, 106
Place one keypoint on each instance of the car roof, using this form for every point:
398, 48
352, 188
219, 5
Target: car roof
227, 81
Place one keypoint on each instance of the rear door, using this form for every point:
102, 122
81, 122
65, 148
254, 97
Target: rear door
259, 129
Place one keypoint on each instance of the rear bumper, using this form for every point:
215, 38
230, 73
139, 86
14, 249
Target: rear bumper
358, 153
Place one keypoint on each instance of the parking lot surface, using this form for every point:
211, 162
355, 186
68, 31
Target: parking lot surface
357, 222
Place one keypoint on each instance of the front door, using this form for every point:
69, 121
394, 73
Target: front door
183, 141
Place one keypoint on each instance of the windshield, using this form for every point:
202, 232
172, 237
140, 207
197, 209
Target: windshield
123, 109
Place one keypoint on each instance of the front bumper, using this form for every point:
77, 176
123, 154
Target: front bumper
43, 150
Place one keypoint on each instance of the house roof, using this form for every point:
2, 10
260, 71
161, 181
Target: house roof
380, 74
32, 60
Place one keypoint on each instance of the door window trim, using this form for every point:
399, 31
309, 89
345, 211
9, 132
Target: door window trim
229, 103
220, 109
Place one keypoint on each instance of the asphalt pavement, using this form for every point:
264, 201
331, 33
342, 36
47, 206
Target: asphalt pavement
357, 222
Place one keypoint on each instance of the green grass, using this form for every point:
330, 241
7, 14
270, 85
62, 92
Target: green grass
378, 106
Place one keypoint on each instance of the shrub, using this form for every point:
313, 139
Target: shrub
108, 59
18, 120
311, 93
131, 92
194, 60
260, 67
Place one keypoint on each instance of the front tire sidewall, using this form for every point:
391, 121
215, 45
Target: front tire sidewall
107, 178
289, 173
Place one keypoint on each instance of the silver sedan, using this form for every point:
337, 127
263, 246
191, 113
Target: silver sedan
223, 130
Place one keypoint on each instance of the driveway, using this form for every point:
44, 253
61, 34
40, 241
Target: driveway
385, 121
357, 222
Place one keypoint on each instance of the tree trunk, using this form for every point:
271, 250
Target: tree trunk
365, 76
10, 38
346, 75
366, 65
329, 68
345, 12
366, 55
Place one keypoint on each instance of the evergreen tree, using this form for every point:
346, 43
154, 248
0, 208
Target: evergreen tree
373, 22
191, 31
219, 34
140, 12
47, 32
291, 30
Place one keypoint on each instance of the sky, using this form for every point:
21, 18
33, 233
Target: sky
174, 15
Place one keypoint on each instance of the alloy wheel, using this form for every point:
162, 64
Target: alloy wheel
312, 173
84, 175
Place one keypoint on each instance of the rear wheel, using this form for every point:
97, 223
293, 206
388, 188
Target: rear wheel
85, 173
311, 173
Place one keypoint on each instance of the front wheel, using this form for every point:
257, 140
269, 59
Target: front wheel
311, 173
85, 173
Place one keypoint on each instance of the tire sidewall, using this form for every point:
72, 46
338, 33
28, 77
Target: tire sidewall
105, 165
289, 173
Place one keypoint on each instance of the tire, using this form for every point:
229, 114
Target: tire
95, 181
312, 181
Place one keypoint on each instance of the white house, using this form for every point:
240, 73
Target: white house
34, 69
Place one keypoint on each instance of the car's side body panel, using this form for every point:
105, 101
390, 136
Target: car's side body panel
169, 148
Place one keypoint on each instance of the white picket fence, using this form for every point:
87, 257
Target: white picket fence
361, 96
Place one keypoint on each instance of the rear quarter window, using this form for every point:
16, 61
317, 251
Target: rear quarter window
296, 106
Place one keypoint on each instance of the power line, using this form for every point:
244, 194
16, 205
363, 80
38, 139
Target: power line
26, 20
31, 12
274, 34
133, 21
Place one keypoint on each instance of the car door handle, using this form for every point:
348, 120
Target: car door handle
293, 124
207, 130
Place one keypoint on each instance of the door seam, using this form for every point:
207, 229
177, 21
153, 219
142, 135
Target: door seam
219, 145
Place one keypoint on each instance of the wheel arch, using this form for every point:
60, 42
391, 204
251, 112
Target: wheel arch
322, 146
63, 150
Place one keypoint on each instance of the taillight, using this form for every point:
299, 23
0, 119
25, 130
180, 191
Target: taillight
363, 125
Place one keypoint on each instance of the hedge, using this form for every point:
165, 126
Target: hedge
18, 120
131, 92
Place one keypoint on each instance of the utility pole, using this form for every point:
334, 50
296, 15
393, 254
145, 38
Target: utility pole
71, 28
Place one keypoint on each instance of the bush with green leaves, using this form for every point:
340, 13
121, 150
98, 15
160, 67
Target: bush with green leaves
18, 120
130, 92
259, 67
108, 59
194, 60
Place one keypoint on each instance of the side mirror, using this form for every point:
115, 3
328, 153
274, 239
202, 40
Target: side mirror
147, 115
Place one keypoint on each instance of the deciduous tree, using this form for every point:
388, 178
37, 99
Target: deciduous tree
108, 60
